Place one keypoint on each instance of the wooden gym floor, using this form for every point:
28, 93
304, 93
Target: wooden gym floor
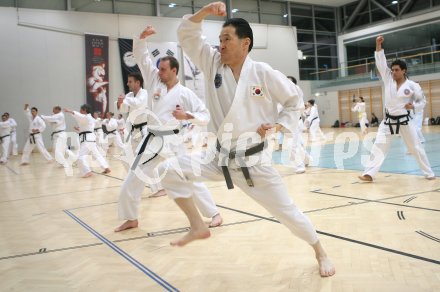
57, 232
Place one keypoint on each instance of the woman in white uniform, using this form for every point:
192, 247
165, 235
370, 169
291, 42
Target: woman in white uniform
359, 107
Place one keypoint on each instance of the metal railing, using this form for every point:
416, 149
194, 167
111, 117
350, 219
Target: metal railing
418, 64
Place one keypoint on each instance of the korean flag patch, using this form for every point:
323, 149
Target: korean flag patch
257, 91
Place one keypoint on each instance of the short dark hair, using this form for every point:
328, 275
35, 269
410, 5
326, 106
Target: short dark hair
400, 63
112, 114
312, 101
6, 114
361, 98
57, 107
138, 77
293, 79
87, 108
242, 29
34, 108
173, 62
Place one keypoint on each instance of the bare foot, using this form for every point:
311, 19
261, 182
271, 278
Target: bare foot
430, 177
24, 163
107, 170
89, 174
216, 221
326, 267
191, 236
366, 177
157, 194
127, 225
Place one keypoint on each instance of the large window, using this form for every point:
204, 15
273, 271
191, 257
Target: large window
425, 40
316, 30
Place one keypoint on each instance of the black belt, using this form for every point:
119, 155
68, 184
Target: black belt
1, 138
138, 126
32, 138
56, 132
240, 156
133, 127
96, 129
396, 121
312, 121
84, 136
151, 133
111, 132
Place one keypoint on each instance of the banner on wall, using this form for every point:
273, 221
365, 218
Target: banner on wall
97, 72
128, 63
156, 50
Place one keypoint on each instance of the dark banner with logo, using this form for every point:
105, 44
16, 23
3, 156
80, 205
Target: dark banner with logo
97, 72
128, 63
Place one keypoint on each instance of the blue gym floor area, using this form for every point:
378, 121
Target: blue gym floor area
340, 156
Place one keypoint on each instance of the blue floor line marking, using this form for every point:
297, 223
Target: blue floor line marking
122, 253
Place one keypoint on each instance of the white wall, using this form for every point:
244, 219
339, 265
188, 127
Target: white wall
327, 103
43, 60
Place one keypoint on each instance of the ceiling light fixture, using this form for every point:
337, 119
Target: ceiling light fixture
234, 10
285, 15
171, 5
394, 2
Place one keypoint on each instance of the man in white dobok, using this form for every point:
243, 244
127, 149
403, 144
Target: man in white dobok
87, 139
401, 96
13, 146
112, 135
5, 138
36, 128
58, 136
242, 96
170, 103
134, 104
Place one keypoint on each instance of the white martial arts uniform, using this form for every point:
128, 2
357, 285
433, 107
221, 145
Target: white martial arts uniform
312, 122
86, 123
5, 139
34, 139
395, 100
112, 135
121, 127
13, 145
99, 133
237, 110
362, 115
162, 105
418, 118
59, 138
135, 106
299, 156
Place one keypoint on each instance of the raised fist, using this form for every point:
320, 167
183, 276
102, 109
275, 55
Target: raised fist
149, 30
